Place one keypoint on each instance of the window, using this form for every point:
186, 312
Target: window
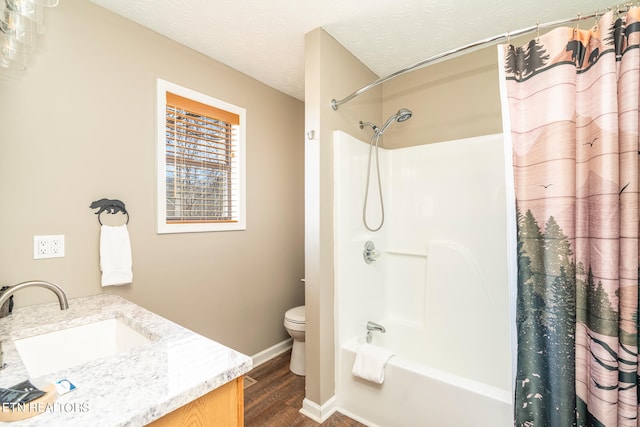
201, 173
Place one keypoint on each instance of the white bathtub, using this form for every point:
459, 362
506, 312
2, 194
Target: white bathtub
416, 395
439, 287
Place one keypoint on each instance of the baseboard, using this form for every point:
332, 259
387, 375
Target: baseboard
357, 418
316, 412
271, 352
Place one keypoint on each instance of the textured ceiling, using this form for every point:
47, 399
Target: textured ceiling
265, 38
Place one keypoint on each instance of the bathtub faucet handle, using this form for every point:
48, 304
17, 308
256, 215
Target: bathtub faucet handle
370, 253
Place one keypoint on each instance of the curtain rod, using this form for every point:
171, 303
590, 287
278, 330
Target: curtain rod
480, 43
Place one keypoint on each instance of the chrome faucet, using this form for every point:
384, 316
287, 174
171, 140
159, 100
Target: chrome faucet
62, 297
373, 326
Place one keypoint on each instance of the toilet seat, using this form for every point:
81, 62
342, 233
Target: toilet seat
295, 314
294, 318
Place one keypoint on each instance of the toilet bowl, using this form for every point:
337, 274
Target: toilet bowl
294, 323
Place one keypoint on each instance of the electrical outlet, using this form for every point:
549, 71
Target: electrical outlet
40, 247
56, 246
48, 246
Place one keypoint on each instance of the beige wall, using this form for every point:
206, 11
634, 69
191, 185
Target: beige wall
330, 72
454, 99
80, 125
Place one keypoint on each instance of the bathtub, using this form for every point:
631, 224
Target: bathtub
417, 395
439, 286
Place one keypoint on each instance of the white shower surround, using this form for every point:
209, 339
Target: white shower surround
440, 286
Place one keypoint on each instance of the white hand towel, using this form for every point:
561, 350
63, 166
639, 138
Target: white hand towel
115, 255
370, 362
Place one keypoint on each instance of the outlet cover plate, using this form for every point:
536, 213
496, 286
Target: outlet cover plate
51, 246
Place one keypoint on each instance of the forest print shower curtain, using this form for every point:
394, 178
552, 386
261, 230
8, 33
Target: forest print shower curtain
572, 98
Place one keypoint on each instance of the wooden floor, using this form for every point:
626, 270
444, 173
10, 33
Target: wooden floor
276, 398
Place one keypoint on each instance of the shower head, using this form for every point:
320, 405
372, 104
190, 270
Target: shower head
402, 115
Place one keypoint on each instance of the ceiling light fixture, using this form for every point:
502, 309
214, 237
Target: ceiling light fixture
21, 21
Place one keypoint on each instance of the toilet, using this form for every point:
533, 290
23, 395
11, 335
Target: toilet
294, 323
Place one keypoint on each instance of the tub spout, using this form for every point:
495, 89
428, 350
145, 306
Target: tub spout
373, 326
62, 297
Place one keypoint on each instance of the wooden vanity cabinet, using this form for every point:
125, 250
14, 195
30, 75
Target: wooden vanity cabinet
222, 407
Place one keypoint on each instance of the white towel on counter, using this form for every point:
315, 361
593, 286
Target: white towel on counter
370, 362
115, 255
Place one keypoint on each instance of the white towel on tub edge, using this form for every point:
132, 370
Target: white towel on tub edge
370, 362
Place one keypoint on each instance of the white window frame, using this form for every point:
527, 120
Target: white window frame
163, 87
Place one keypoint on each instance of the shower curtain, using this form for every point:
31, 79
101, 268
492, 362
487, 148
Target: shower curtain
570, 102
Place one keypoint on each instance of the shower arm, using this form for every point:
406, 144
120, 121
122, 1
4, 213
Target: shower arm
363, 124
470, 47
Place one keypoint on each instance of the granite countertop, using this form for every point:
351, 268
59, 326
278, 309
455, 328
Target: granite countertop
132, 388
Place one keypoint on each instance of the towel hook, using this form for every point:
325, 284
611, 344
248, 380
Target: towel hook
110, 206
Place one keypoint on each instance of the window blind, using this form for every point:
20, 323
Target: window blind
201, 162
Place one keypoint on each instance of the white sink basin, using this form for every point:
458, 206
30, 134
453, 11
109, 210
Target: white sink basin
53, 351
